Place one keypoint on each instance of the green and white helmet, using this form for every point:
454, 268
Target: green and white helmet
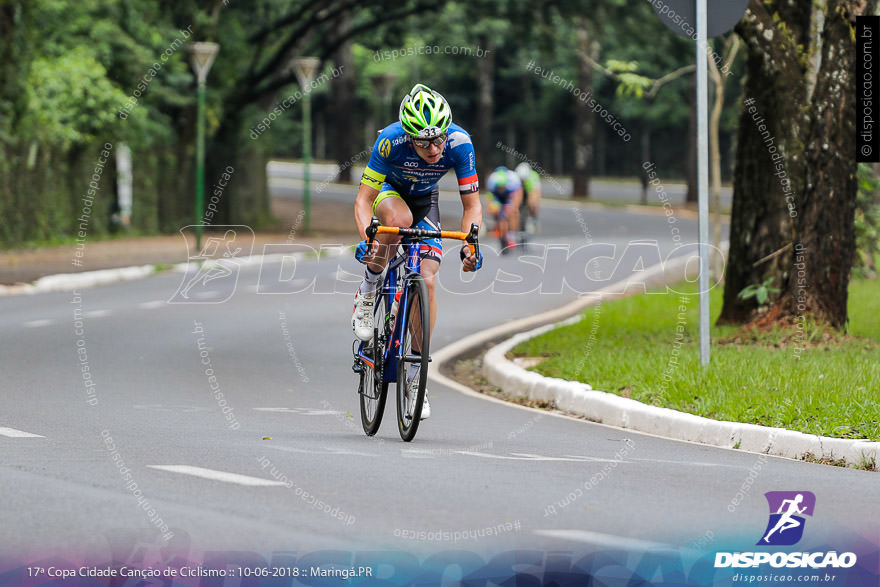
424, 113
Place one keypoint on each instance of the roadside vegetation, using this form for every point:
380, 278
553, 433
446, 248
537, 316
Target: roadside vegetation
805, 377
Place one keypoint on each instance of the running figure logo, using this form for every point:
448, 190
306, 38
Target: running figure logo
212, 273
786, 525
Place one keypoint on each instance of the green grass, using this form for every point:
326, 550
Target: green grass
645, 347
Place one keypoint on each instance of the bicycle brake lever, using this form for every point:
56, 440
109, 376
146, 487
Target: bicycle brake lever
473, 240
371, 230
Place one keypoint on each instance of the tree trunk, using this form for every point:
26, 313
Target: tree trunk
715, 159
584, 120
691, 168
245, 199
825, 224
795, 179
485, 110
531, 127
344, 87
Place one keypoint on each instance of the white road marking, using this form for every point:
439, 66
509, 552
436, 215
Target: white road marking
38, 323
171, 408
517, 456
301, 411
13, 433
327, 450
97, 313
223, 476
417, 454
687, 463
609, 540
151, 305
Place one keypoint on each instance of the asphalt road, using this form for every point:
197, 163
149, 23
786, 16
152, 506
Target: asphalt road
149, 463
286, 175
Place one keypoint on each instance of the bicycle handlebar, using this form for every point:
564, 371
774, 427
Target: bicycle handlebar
470, 237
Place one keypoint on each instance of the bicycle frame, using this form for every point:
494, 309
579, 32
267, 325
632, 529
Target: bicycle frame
413, 263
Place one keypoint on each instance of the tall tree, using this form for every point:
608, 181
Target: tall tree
584, 120
795, 178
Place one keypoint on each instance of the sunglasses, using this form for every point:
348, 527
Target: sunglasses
425, 143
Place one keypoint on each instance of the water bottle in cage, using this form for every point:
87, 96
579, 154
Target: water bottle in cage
394, 306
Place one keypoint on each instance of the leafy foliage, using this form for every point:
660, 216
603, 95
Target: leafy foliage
761, 292
867, 222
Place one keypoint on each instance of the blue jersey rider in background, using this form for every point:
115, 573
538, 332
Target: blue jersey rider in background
399, 186
506, 188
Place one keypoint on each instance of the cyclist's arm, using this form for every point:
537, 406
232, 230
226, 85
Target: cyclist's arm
535, 194
472, 211
371, 182
363, 208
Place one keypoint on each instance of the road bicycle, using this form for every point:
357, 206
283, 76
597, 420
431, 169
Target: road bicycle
528, 224
401, 316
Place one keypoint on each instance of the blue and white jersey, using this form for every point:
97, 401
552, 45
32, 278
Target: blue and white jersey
503, 182
394, 161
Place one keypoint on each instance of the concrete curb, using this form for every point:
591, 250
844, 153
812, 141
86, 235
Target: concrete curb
86, 279
613, 410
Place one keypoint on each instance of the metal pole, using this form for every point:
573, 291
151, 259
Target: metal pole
307, 154
703, 176
200, 166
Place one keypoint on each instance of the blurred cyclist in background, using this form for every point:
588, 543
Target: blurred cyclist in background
531, 202
506, 189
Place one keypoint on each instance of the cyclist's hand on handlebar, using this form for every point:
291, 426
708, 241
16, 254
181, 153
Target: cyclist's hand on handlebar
364, 250
469, 262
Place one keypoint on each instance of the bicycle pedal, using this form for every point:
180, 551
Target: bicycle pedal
357, 367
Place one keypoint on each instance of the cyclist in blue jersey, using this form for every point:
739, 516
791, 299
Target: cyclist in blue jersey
399, 185
506, 188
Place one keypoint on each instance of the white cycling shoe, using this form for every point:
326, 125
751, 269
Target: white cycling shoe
362, 316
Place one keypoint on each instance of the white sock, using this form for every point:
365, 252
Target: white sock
368, 285
414, 369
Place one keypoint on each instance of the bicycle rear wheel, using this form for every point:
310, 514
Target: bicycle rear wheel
373, 389
417, 316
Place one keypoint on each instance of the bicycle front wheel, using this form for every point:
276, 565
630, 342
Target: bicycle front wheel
417, 316
373, 389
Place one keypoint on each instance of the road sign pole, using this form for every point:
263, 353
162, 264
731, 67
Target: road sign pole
703, 174
200, 164
202, 57
307, 155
